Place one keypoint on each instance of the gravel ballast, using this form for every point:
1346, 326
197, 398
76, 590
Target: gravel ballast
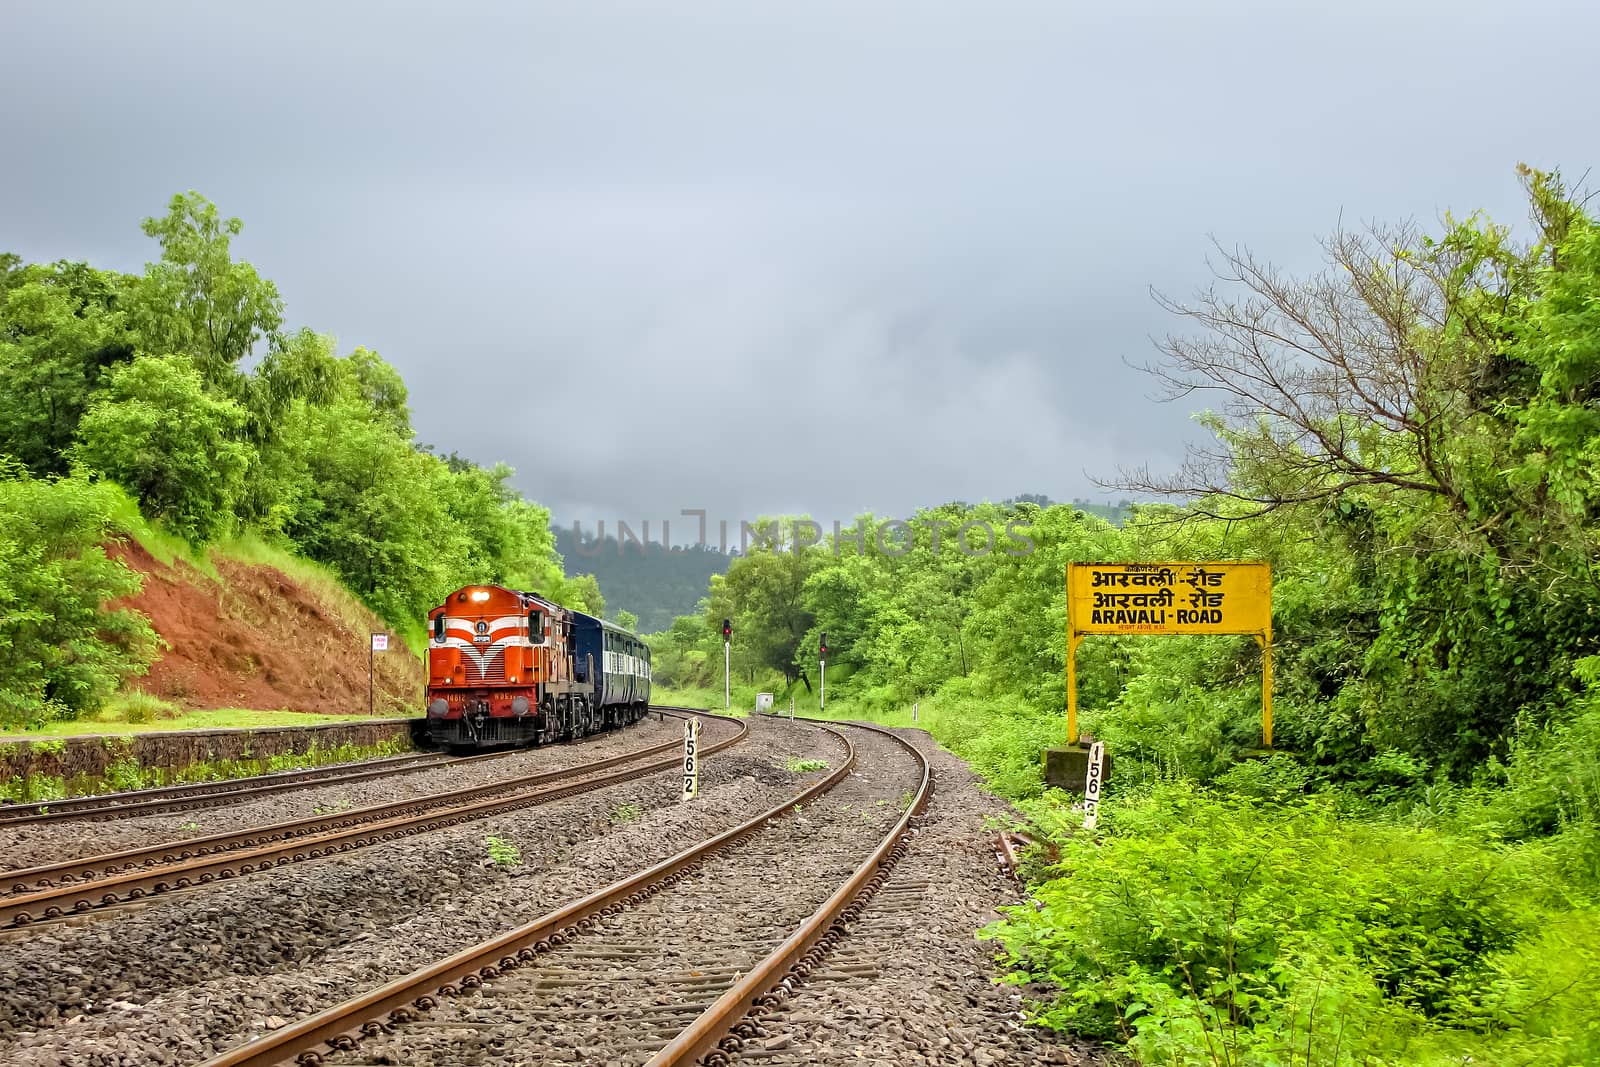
42, 843
184, 977
911, 983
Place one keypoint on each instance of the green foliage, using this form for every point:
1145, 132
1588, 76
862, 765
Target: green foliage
142, 381
1200, 922
138, 708
502, 854
61, 331
62, 650
626, 812
805, 766
157, 431
197, 299
1410, 439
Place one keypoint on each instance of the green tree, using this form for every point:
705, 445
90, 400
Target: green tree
156, 430
376, 514
197, 299
764, 593
60, 331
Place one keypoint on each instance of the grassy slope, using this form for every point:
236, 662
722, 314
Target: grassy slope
133, 711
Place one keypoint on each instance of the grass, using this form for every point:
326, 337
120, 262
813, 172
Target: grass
249, 547
167, 548
114, 721
502, 853
806, 766
128, 774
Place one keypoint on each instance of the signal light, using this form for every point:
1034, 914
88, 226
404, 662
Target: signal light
727, 629
824, 643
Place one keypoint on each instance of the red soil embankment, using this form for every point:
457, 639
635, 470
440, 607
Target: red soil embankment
254, 637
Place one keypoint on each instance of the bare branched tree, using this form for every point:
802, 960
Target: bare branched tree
1358, 376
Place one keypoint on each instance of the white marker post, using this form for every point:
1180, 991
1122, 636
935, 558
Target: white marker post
1091, 784
691, 758
380, 643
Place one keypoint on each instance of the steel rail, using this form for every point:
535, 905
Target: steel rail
89, 868
753, 995
28, 906
342, 1026
200, 795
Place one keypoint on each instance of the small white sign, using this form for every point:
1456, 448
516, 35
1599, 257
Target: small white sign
380, 642
763, 701
1091, 784
691, 758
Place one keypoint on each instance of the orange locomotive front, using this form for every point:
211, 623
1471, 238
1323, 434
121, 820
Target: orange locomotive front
496, 662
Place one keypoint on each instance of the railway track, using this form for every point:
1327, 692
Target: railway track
669, 965
84, 885
202, 795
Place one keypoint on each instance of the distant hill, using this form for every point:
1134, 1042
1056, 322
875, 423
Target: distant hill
1116, 514
656, 584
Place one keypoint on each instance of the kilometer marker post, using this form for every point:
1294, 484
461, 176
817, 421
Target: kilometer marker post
691, 758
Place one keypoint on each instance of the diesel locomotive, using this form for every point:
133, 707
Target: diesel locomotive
508, 667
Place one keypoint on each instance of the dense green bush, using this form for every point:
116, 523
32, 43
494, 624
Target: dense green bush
62, 651
1202, 928
155, 430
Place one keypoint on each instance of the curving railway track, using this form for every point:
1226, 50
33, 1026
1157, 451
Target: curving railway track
88, 884
671, 964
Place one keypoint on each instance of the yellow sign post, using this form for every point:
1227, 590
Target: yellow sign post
1169, 598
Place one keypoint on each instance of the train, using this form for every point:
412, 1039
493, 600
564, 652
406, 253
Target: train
507, 667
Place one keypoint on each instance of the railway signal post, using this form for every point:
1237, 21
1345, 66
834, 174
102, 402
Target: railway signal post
822, 671
727, 664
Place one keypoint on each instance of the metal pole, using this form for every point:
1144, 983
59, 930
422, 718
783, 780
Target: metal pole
1073, 641
822, 704
1265, 641
372, 657
727, 679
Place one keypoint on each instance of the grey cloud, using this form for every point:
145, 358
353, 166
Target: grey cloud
764, 257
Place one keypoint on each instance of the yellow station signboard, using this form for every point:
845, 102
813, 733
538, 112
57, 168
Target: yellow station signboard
1169, 598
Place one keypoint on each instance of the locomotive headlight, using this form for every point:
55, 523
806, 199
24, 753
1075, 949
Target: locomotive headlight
480, 594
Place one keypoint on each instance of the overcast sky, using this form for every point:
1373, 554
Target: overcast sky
764, 257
